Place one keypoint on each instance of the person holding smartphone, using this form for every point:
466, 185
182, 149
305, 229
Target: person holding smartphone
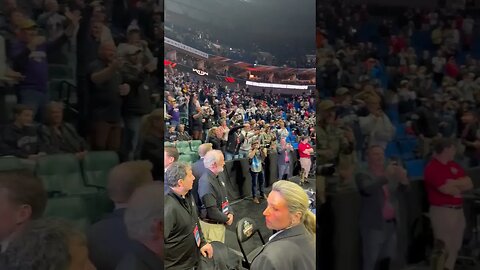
256, 157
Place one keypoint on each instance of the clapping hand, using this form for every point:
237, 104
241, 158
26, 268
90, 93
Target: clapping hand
207, 251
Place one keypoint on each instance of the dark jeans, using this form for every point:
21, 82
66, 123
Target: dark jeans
106, 136
258, 176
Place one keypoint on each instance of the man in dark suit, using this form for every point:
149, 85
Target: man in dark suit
287, 212
108, 240
284, 159
379, 188
198, 168
144, 219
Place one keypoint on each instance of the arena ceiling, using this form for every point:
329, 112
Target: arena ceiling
278, 26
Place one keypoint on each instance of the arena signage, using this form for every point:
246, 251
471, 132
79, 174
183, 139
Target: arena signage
200, 72
276, 85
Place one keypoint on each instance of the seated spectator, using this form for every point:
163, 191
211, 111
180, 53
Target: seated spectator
48, 244
21, 138
61, 137
108, 241
22, 199
144, 220
172, 134
182, 134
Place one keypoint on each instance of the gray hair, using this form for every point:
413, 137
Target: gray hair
212, 157
144, 210
175, 172
43, 245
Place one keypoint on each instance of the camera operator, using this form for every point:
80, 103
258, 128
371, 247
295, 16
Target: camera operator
256, 158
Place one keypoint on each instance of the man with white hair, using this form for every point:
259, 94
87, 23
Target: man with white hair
144, 219
215, 211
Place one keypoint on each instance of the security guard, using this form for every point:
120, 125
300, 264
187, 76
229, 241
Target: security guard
335, 145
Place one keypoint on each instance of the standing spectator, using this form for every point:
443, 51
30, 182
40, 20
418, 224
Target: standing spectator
22, 199
144, 219
215, 209
256, 158
376, 126
184, 241
106, 99
470, 136
235, 140
445, 181
137, 103
108, 241
379, 214
305, 151
198, 168
438, 63
284, 159
29, 56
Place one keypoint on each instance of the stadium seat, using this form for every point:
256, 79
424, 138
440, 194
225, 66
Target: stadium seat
71, 208
11, 163
408, 148
169, 144
194, 145
183, 144
62, 174
96, 167
415, 168
392, 150
246, 228
185, 158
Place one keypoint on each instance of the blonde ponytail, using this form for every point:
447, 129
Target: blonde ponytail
297, 201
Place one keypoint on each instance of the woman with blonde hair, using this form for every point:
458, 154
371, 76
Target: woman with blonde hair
288, 213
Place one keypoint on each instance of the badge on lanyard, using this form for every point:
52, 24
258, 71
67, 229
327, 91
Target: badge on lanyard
196, 233
225, 206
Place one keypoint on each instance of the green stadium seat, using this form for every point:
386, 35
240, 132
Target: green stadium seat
71, 208
194, 145
96, 166
169, 144
62, 174
185, 158
11, 163
183, 144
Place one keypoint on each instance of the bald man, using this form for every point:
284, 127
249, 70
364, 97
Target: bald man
198, 168
108, 241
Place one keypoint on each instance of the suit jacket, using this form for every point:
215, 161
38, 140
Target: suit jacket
198, 169
373, 199
141, 258
108, 241
281, 156
293, 248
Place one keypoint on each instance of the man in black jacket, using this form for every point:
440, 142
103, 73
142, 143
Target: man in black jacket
215, 210
108, 241
144, 220
184, 239
235, 139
